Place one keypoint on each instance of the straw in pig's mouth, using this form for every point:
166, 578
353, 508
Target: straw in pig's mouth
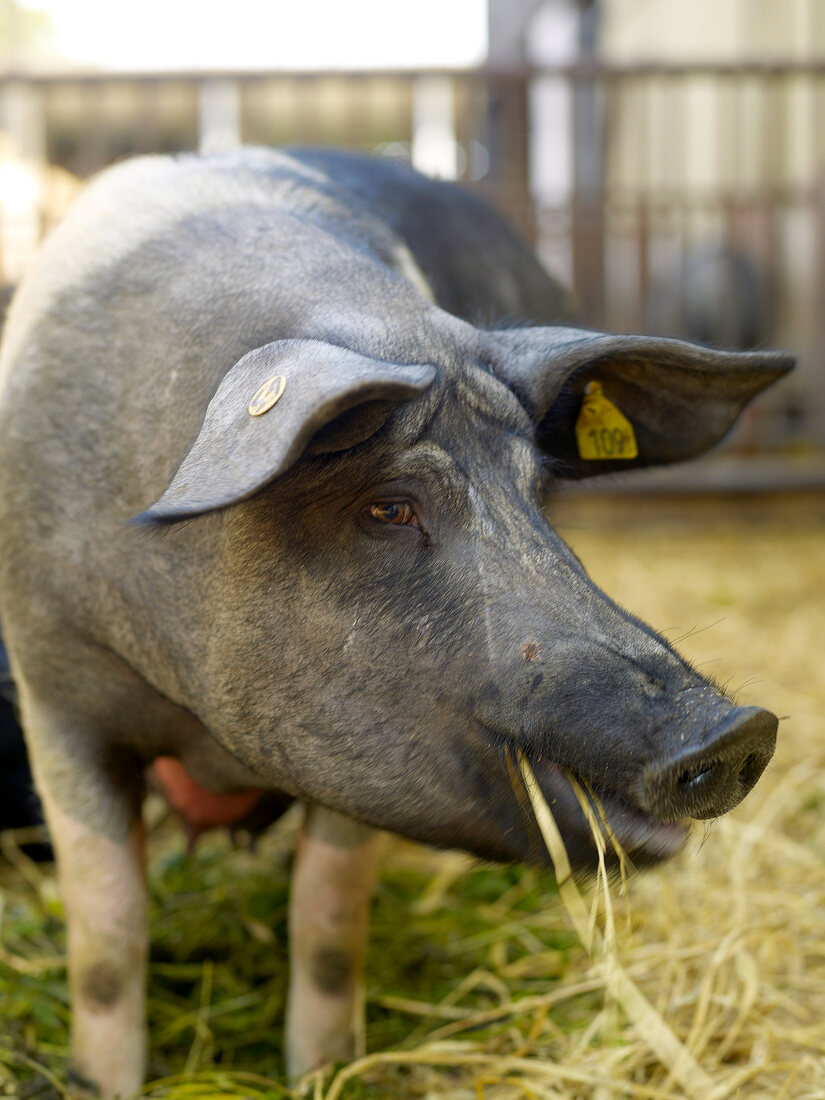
630, 834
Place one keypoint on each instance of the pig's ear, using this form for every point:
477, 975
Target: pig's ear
277, 402
679, 398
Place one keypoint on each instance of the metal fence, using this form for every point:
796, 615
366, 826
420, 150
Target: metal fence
683, 199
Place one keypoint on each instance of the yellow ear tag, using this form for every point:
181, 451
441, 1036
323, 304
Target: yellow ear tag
602, 432
267, 395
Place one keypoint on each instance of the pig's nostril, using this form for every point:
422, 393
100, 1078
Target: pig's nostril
693, 778
751, 770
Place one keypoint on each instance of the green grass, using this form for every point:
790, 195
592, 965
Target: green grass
218, 969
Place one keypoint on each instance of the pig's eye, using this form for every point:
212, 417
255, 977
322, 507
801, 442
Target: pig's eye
397, 512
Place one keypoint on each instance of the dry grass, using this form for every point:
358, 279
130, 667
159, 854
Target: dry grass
706, 981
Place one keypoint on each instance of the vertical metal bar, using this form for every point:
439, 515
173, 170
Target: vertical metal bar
433, 142
506, 141
304, 118
22, 195
728, 196
219, 116
816, 416
643, 208
463, 125
352, 124
683, 198
588, 214
147, 99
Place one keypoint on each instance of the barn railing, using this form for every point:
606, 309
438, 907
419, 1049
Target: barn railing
685, 199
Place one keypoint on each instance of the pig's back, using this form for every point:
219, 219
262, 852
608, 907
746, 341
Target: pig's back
477, 265
164, 274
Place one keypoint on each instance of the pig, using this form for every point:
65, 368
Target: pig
274, 433
715, 293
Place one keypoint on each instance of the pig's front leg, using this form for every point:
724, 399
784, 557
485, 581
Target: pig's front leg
335, 869
98, 843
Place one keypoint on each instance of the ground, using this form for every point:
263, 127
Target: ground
477, 985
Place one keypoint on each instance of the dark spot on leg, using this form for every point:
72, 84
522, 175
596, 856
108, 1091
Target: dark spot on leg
331, 968
81, 1085
530, 650
100, 984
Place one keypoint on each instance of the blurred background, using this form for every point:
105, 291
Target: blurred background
666, 159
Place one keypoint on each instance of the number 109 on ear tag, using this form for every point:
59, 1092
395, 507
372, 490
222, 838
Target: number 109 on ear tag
602, 431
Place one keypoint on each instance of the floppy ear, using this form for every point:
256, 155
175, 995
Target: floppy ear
679, 398
268, 408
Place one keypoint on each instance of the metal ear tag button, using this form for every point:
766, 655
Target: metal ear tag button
267, 395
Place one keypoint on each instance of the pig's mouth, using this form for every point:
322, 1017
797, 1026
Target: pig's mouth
628, 830
703, 779
639, 836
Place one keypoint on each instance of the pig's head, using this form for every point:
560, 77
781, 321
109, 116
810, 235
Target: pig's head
389, 617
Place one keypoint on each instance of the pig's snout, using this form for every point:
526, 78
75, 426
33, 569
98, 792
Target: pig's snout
711, 780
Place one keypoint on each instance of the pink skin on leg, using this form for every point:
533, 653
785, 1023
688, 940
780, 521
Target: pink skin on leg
332, 882
104, 894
